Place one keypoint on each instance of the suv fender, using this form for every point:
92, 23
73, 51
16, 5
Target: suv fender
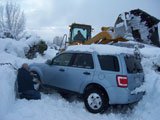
38, 71
96, 85
99, 82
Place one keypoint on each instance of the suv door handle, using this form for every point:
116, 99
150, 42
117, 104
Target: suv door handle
86, 73
61, 69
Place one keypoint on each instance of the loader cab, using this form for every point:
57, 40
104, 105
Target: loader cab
79, 33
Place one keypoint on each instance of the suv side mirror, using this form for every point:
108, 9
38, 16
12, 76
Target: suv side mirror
49, 62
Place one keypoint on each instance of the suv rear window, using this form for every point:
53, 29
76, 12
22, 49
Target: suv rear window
108, 62
133, 64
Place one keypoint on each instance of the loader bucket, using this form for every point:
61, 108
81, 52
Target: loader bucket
142, 26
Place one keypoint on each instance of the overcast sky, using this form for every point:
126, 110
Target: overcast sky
52, 17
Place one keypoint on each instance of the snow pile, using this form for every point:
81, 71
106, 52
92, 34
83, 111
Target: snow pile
54, 106
13, 47
17, 48
148, 108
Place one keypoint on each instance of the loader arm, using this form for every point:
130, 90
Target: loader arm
104, 38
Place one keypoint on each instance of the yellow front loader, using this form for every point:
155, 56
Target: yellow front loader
81, 34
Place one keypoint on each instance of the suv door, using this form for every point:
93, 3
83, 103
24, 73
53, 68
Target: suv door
109, 69
56, 73
80, 71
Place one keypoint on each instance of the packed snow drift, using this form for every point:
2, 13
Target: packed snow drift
53, 106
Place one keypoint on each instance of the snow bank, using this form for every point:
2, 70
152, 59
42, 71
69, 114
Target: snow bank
13, 52
7, 81
148, 108
54, 106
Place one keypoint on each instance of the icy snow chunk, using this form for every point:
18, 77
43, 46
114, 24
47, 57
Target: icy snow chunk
142, 88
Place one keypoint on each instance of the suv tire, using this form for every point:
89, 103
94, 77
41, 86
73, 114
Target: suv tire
37, 81
96, 101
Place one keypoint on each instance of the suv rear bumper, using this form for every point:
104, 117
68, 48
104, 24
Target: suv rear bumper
122, 96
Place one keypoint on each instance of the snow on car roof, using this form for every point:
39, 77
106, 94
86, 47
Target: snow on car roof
100, 49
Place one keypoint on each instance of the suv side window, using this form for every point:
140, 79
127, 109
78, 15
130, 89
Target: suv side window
83, 60
108, 62
63, 60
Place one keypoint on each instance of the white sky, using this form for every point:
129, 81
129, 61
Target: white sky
52, 17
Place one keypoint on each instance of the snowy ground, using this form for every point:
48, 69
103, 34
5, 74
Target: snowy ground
54, 107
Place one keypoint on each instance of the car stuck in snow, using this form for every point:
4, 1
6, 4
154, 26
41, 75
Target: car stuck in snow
102, 77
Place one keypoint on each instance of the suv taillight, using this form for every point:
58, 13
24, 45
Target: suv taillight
122, 81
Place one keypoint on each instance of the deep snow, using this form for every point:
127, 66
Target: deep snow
54, 106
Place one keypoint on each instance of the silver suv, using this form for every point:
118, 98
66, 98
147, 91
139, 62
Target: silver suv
100, 79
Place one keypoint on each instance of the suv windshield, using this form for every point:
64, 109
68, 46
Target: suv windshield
133, 64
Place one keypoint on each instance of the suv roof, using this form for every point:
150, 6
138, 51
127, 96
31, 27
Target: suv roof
100, 49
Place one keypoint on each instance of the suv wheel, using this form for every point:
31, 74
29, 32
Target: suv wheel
96, 101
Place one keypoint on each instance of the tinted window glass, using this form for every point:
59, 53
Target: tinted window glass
133, 64
63, 59
84, 61
108, 62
